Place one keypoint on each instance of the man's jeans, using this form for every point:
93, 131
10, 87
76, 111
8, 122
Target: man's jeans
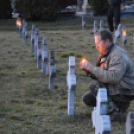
113, 11
90, 97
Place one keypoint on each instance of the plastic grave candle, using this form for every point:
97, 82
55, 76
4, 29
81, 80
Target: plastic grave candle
44, 56
32, 38
39, 52
71, 82
26, 33
124, 36
35, 43
83, 24
95, 27
100, 119
117, 34
101, 24
51, 69
130, 123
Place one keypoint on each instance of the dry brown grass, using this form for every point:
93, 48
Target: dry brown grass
27, 106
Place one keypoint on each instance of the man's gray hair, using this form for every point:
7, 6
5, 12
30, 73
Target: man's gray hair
105, 34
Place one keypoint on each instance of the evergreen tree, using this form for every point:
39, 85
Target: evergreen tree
5, 9
37, 9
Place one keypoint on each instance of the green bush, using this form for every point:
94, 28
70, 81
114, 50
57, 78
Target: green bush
5, 9
100, 7
37, 9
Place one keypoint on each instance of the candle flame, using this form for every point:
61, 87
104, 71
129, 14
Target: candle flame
84, 60
124, 33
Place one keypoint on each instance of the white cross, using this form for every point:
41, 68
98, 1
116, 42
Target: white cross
133, 42
23, 28
51, 69
26, 33
83, 24
32, 38
71, 82
130, 123
101, 24
35, 44
95, 27
100, 119
44, 56
39, 52
117, 34
20, 29
124, 36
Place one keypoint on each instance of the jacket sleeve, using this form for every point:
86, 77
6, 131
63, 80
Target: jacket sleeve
116, 70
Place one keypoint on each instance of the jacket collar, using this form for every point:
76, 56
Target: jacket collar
107, 53
104, 55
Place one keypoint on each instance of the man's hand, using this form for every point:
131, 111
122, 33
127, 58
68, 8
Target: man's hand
85, 65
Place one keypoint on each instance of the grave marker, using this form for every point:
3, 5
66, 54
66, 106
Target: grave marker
79, 5
71, 82
95, 27
25, 34
20, 28
39, 52
124, 36
86, 7
101, 24
17, 26
83, 24
133, 42
130, 123
100, 119
32, 38
35, 43
44, 56
117, 34
23, 28
51, 69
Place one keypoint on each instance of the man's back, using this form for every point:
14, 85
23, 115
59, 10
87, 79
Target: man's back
121, 61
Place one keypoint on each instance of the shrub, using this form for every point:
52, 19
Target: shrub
100, 7
37, 9
5, 9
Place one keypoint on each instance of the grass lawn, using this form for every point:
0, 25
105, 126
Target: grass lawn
27, 106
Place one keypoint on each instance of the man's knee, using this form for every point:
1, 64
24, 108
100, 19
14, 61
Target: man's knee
94, 86
89, 99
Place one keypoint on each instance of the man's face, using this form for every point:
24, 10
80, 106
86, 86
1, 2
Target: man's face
102, 45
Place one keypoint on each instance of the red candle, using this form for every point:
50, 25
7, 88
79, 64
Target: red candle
124, 33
